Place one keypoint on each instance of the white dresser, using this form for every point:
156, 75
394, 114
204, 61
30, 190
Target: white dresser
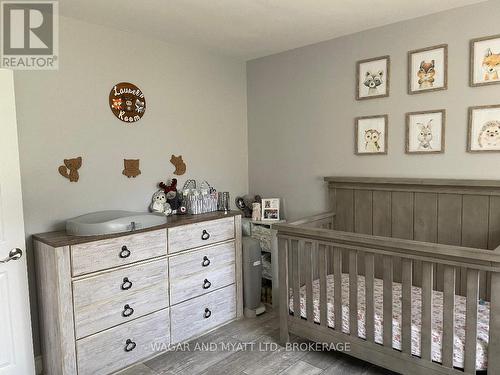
107, 302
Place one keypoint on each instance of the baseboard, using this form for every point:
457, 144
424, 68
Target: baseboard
38, 365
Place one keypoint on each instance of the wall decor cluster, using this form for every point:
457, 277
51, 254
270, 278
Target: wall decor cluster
428, 69
373, 78
180, 166
428, 72
127, 102
485, 60
371, 135
425, 132
131, 168
70, 169
484, 129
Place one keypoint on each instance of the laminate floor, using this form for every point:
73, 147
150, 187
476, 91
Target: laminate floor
249, 347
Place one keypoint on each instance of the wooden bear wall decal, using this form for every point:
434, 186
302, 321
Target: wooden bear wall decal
70, 168
180, 166
131, 168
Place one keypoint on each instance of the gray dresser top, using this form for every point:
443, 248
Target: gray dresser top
61, 238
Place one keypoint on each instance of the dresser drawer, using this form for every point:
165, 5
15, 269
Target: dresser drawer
119, 296
203, 313
200, 234
101, 255
189, 278
121, 346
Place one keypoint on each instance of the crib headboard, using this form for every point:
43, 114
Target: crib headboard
446, 211
454, 212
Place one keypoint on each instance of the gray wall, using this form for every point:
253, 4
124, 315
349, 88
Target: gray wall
196, 106
301, 109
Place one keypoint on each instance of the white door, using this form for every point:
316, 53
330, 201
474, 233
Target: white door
16, 348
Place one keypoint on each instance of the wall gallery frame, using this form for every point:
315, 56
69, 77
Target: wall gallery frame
485, 61
373, 78
483, 134
425, 132
370, 135
428, 69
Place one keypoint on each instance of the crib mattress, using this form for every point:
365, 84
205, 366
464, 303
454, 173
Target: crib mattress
437, 318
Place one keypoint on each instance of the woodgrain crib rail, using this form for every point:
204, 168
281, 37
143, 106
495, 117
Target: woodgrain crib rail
305, 250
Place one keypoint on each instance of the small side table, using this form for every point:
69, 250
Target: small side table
262, 231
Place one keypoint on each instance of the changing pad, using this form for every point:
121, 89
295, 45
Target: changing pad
107, 222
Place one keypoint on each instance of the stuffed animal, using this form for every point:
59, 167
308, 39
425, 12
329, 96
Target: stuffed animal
159, 203
245, 203
173, 198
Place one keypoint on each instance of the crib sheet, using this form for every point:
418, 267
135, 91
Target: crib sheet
437, 318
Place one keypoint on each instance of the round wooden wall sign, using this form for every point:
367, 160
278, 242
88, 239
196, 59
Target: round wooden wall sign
127, 102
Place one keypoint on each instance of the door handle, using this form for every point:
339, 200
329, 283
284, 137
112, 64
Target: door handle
14, 254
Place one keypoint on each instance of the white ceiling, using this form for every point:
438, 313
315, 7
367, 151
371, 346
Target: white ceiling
248, 29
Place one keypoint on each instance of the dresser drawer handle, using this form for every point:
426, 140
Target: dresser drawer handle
129, 345
207, 314
206, 261
206, 284
205, 235
127, 284
127, 311
125, 253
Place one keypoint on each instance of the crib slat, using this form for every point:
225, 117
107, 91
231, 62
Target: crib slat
448, 315
353, 293
388, 276
406, 265
494, 340
369, 301
426, 333
471, 321
308, 248
323, 303
283, 246
337, 292
296, 279
369, 317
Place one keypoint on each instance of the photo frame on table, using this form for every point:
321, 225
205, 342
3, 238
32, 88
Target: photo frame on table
371, 135
428, 69
270, 209
373, 78
425, 132
484, 61
483, 133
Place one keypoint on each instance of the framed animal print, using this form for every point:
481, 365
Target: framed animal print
370, 137
428, 69
485, 61
484, 129
372, 78
425, 132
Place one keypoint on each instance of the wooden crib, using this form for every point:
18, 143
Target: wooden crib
424, 252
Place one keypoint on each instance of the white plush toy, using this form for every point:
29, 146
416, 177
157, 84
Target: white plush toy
159, 203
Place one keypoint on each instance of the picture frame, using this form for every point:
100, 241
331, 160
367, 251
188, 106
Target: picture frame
373, 78
425, 132
428, 69
483, 131
484, 55
270, 209
371, 135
